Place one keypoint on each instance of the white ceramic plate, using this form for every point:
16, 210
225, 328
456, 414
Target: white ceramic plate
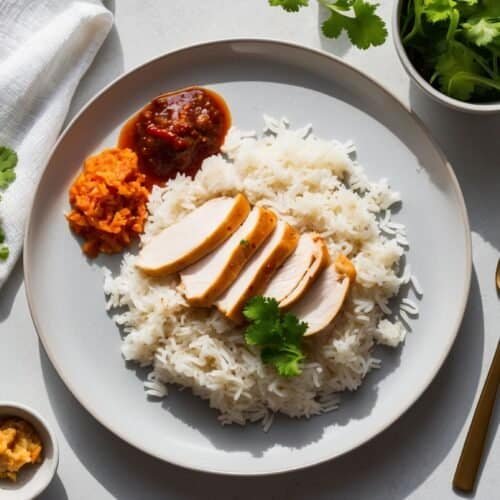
255, 77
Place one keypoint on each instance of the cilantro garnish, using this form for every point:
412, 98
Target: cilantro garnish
244, 243
278, 334
356, 17
455, 45
8, 162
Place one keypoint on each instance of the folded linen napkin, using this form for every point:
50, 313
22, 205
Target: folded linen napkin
45, 48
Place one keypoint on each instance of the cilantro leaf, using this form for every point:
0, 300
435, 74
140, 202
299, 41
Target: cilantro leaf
482, 31
368, 29
295, 329
285, 360
278, 334
289, 5
258, 308
439, 10
357, 17
265, 331
335, 24
454, 68
491, 8
364, 28
8, 161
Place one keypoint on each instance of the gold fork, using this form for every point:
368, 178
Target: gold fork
465, 475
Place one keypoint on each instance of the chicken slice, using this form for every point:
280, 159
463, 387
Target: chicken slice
345, 267
190, 239
293, 279
204, 281
324, 299
259, 270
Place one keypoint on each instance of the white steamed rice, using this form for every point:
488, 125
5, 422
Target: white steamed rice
316, 186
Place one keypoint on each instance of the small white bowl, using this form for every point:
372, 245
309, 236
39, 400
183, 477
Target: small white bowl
33, 479
487, 108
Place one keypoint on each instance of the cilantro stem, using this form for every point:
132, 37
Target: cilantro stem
480, 60
494, 56
408, 18
471, 77
331, 6
418, 9
452, 28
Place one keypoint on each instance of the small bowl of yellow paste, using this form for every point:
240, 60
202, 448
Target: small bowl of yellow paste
28, 452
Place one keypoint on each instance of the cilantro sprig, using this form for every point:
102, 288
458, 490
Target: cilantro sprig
455, 45
8, 162
278, 334
357, 18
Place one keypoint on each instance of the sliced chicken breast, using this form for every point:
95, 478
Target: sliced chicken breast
200, 232
259, 270
323, 301
345, 267
320, 261
204, 281
293, 279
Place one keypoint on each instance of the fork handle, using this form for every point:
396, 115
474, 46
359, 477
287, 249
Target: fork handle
465, 475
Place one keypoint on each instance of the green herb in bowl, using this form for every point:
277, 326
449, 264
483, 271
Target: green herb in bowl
455, 46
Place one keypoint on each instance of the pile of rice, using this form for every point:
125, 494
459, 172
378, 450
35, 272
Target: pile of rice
315, 185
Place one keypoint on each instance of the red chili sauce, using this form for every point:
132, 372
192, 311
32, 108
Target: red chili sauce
176, 131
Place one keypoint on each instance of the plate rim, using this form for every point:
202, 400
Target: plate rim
431, 375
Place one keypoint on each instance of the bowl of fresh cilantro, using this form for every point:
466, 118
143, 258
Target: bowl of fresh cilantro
451, 49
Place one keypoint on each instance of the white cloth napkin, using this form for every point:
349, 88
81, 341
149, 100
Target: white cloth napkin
45, 48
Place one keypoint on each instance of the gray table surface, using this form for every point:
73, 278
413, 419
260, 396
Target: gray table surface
415, 458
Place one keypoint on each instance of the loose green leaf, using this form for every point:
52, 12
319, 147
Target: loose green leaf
368, 28
289, 5
8, 161
364, 28
278, 334
356, 17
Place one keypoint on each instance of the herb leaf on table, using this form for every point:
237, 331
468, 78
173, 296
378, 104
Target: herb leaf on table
289, 5
357, 18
